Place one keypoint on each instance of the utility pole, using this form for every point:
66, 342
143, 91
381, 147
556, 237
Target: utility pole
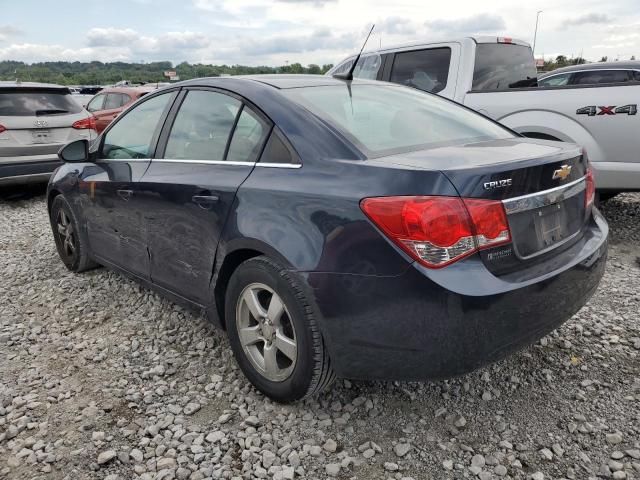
535, 33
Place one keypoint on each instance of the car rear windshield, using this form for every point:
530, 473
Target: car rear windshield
501, 66
27, 102
384, 119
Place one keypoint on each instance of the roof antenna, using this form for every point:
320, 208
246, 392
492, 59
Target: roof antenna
349, 75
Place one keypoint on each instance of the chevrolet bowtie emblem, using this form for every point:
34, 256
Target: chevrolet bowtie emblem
562, 173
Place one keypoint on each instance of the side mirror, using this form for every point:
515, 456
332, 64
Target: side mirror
76, 151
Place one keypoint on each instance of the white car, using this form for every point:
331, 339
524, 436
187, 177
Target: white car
36, 120
497, 77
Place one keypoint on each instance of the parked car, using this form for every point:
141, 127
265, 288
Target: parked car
36, 120
111, 101
497, 77
592, 74
359, 229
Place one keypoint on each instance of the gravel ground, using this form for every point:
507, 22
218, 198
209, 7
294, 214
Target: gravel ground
102, 379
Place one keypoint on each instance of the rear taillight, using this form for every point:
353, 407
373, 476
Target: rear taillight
88, 123
438, 231
3, 128
590, 188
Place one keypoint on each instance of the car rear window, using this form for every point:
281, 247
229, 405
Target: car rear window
26, 102
501, 66
384, 119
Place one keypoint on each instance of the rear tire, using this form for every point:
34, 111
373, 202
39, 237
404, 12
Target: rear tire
273, 332
71, 241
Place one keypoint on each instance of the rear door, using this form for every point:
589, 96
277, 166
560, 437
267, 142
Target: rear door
114, 211
208, 150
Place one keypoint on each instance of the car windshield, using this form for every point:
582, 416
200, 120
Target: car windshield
502, 65
384, 119
26, 102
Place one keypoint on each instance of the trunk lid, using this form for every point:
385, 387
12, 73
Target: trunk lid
540, 183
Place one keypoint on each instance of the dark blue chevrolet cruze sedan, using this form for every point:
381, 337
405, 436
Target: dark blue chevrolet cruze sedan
350, 228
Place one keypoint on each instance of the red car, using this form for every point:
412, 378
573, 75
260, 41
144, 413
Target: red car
108, 104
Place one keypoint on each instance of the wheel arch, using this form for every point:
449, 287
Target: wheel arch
229, 258
549, 125
51, 194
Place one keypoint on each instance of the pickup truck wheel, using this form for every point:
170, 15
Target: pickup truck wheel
273, 332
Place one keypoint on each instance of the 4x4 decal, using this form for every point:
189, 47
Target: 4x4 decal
592, 110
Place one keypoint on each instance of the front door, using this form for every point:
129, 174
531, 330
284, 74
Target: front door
114, 220
210, 149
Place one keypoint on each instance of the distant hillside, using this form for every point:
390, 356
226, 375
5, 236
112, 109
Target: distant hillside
98, 73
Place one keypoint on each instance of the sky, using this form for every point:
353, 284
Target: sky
273, 32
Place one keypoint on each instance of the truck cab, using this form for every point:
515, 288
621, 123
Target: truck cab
497, 77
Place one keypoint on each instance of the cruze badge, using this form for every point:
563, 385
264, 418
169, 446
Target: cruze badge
497, 184
40, 123
562, 173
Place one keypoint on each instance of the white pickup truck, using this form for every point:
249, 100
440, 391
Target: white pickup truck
497, 77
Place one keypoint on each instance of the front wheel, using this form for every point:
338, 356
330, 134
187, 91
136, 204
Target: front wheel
273, 332
70, 240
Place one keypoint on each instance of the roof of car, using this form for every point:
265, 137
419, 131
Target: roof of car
18, 84
129, 90
416, 44
629, 65
283, 81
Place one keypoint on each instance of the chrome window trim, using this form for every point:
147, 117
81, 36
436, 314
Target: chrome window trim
542, 199
225, 162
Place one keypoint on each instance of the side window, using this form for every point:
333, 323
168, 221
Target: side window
422, 69
555, 80
636, 75
132, 136
248, 137
96, 103
202, 126
114, 100
124, 99
595, 77
276, 151
343, 67
368, 67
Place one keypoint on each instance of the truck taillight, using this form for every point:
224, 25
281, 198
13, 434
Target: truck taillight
590, 188
505, 40
3, 128
437, 231
88, 123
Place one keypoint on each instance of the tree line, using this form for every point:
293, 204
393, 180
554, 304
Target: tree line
563, 61
99, 73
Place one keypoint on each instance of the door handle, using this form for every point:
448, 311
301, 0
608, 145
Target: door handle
125, 194
205, 201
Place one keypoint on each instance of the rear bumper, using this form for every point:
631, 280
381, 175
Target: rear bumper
441, 323
15, 170
617, 176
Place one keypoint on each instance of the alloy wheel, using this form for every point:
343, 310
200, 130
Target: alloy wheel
66, 233
266, 332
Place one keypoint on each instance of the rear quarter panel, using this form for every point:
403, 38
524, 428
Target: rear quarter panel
310, 218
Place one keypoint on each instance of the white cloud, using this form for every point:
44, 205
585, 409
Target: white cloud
481, 23
589, 18
269, 32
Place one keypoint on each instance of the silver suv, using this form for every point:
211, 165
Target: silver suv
36, 120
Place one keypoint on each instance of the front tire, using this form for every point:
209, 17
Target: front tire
273, 332
71, 242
